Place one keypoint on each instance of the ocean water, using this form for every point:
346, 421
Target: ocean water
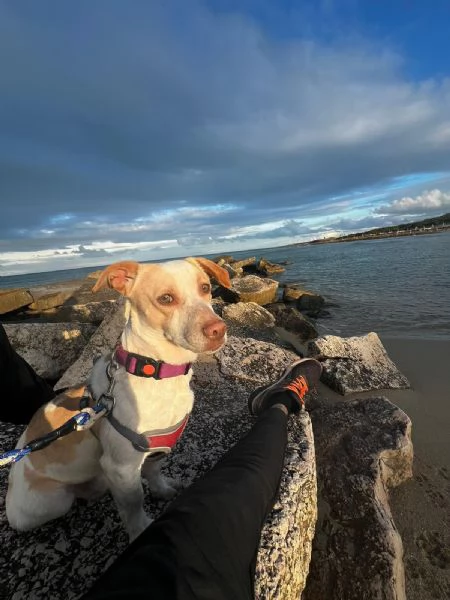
398, 287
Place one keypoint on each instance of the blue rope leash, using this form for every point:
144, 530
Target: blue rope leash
83, 420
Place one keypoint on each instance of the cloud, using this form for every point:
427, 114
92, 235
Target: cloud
116, 127
433, 201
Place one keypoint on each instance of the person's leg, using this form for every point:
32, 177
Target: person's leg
205, 545
23, 391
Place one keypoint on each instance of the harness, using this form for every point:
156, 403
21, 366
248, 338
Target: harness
158, 441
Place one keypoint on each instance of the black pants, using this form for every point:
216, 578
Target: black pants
23, 391
205, 545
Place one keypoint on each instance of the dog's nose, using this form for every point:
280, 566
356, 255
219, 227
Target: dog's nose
215, 330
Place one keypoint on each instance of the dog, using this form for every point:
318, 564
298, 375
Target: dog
170, 322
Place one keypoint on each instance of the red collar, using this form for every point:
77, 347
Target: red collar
144, 366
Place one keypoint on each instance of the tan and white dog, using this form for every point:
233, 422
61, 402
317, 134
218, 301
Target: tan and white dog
170, 322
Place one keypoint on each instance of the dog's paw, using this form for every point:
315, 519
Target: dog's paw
164, 488
139, 527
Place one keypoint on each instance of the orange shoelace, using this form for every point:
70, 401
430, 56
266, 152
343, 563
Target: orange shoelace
299, 386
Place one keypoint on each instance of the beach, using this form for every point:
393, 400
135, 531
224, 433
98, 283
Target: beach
413, 323
421, 506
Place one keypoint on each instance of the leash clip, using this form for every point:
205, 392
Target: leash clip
107, 398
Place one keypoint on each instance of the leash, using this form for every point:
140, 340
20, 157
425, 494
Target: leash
85, 419
82, 421
88, 416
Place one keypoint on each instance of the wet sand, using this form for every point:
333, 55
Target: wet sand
421, 507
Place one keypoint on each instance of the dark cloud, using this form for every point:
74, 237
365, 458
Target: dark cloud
168, 121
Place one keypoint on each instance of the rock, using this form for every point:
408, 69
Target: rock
218, 305
356, 364
235, 268
50, 348
84, 293
363, 447
292, 320
250, 289
224, 258
245, 262
249, 314
102, 342
285, 547
265, 267
11, 300
284, 552
91, 312
292, 292
250, 320
47, 301
232, 271
310, 302
247, 359
220, 418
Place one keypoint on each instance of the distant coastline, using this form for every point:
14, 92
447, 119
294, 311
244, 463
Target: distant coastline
371, 236
425, 227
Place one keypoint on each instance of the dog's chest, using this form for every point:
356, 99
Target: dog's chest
149, 404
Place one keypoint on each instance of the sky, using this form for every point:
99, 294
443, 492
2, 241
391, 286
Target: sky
149, 130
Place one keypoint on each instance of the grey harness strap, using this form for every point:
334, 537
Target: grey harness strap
139, 440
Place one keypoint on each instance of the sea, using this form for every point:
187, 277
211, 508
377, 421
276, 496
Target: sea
397, 287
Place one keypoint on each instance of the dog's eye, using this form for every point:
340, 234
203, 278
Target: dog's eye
165, 299
206, 288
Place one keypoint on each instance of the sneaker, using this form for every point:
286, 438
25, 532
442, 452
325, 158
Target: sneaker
298, 379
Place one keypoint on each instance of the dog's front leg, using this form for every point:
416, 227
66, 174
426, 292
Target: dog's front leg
160, 486
126, 487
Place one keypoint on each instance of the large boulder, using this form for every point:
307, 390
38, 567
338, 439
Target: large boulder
285, 547
84, 293
310, 303
62, 559
284, 553
265, 267
292, 320
248, 314
292, 292
46, 301
102, 342
363, 448
356, 364
12, 300
251, 288
250, 320
50, 348
90, 312
243, 263
232, 271
250, 360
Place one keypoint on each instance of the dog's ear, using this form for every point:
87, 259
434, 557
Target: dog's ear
119, 276
213, 270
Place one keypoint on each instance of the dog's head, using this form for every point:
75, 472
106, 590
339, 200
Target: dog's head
171, 299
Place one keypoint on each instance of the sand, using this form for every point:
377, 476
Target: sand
421, 507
